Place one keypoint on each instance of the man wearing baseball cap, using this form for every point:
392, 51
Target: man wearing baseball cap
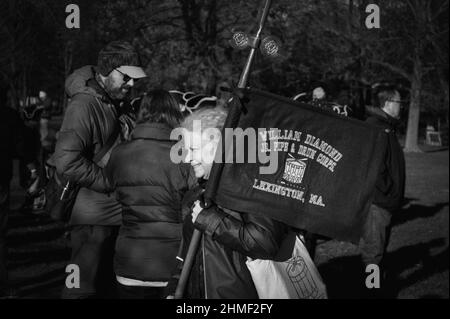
90, 127
118, 68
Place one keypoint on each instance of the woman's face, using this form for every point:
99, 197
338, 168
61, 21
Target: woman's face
201, 150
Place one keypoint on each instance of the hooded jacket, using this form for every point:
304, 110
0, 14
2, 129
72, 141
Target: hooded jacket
390, 185
90, 119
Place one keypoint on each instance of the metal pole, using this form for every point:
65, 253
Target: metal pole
197, 235
188, 263
244, 75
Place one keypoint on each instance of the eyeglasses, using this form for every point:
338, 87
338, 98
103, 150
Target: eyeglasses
126, 78
401, 103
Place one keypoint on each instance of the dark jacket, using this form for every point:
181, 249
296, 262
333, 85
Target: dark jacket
150, 188
12, 142
220, 271
390, 185
80, 138
46, 105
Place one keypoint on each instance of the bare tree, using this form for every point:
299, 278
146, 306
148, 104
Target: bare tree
406, 52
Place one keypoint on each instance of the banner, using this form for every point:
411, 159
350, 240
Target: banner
320, 174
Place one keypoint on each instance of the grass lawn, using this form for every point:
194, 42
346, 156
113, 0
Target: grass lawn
417, 255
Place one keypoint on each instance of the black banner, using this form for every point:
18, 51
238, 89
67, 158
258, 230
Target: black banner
325, 171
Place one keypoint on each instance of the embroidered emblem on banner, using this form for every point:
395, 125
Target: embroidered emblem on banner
294, 171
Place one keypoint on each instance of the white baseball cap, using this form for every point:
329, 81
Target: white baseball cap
134, 72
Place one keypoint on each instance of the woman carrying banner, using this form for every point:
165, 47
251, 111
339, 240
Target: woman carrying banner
229, 237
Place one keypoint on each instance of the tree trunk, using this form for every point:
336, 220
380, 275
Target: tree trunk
412, 133
13, 97
445, 91
14, 85
24, 89
68, 59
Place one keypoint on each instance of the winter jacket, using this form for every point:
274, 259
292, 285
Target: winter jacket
150, 188
390, 185
229, 237
91, 117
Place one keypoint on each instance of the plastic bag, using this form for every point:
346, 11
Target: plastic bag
295, 278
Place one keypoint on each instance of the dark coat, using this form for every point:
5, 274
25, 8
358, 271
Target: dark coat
150, 188
390, 185
12, 142
220, 271
80, 137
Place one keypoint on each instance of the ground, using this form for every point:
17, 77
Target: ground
417, 259
418, 256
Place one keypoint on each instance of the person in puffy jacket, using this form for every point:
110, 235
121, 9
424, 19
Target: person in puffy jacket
92, 118
229, 237
150, 188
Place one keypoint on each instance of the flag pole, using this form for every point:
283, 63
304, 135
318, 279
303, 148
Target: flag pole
231, 121
254, 46
236, 107
188, 263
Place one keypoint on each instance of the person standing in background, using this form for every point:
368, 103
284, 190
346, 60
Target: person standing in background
12, 144
90, 122
390, 186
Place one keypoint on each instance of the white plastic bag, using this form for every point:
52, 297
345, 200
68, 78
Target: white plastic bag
295, 278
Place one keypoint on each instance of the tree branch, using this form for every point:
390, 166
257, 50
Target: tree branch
392, 68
